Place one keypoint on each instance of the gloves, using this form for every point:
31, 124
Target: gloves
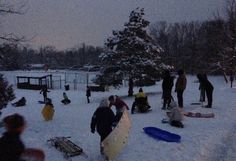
93, 131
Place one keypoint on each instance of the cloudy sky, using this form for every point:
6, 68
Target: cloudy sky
67, 23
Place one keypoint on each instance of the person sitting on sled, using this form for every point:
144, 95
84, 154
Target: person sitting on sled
66, 100
141, 102
48, 110
19, 103
175, 117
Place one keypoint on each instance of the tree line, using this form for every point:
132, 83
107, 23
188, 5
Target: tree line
17, 57
194, 46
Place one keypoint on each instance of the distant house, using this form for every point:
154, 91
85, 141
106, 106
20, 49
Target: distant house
37, 66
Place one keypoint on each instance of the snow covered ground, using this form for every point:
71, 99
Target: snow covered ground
203, 139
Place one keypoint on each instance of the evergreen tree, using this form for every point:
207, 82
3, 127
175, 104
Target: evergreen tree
130, 53
6, 92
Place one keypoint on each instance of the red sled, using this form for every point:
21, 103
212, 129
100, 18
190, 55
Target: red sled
199, 115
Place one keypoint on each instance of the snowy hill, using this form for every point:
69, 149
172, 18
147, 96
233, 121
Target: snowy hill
203, 139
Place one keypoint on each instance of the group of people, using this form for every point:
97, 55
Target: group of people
175, 114
180, 86
103, 119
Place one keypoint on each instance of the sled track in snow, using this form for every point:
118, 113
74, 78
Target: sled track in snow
226, 151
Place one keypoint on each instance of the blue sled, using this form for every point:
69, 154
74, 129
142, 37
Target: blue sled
162, 134
41, 102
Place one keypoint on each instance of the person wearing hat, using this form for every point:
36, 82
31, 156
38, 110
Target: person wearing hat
180, 86
119, 104
102, 121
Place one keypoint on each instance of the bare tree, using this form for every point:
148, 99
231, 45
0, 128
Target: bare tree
8, 9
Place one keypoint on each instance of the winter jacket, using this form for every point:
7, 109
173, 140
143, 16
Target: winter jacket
88, 92
120, 105
140, 95
11, 147
181, 83
48, 112
65, 97
205, 83
167, 83
175, 114
102, 120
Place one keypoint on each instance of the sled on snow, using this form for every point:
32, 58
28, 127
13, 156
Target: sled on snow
160, 134
41, 102
199, 115
117, 139
66, 146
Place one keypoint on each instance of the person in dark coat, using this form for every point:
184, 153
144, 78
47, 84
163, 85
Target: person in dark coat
102, 121
120, 106
167, 85
180, 86
11, 146
131, 86
208, 87
88, 93
231, 78
45, 91
19, 103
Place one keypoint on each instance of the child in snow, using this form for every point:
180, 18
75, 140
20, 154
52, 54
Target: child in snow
180, 86
208, 88
66, 100
141, 102
11, 146
167, 85
88, 93
102, 121
231, 78
19, 103
44, 90
175, 117
48, 110
120, 106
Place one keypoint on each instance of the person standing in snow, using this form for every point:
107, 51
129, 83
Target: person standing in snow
167, 85
119, 104
88, 93
202, 89
208, 88
45, 91
231, 78
102, 121
11, 146
180, 86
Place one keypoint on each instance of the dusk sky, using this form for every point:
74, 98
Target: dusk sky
67, 23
